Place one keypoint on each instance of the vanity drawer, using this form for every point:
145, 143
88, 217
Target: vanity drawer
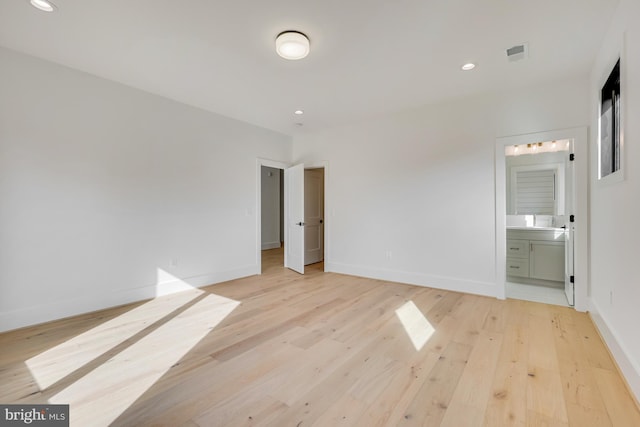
517, 248
518, 267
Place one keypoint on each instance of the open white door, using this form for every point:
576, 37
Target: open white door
294, 218
569, 234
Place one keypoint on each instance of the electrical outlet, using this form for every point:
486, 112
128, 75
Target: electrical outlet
173, 263
388, 255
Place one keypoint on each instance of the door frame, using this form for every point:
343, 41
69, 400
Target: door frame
325, 166
272, 164
581, 249
284, 165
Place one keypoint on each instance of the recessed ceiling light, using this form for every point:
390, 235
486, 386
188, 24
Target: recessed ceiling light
292, 45
468, 66
44, 5
298, 112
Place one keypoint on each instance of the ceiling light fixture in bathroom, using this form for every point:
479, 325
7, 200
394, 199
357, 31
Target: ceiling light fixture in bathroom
536, 148
468, 66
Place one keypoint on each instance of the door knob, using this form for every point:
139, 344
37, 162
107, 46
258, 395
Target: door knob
321, 221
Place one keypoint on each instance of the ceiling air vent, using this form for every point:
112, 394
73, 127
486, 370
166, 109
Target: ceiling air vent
518, 52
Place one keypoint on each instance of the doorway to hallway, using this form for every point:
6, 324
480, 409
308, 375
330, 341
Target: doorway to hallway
295, 215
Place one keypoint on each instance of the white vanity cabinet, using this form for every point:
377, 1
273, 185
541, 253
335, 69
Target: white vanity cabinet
517, 258
535, 254
546, 260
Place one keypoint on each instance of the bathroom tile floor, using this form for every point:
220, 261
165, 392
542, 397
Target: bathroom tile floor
543, 294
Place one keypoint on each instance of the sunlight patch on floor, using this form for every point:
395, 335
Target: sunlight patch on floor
51, 366
105, 393
415, 324
167, 283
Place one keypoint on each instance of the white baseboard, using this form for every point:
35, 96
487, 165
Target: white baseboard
629, 369
270, 245
85, 304
418, 279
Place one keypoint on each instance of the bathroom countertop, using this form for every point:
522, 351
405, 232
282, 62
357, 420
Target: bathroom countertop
521, 227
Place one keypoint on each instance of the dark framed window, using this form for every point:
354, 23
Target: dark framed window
610, 124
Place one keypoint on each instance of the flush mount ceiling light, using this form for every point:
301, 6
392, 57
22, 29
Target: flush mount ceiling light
292, 45
468, 66
298, 112
43, 5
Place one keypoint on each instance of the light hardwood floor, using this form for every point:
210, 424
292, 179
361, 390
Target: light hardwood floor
320, 350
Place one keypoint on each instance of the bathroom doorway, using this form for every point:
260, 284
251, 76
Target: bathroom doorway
541, 217
539, 194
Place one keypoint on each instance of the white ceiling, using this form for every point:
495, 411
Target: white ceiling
368, 57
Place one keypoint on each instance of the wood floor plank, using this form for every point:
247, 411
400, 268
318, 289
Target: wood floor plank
541, 353
205, 389
596, 353
331, 321
469, 401
535, 419
620, 405
265, 334
259, 415
472, 317
432, 400
496, 319
322, 359
584, 401
345, 412
508, 401
323, 349
308, 407
443, 307
391, 403
368, 387
544, 394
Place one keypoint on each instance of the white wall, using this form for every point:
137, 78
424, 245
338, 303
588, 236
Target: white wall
615, 208
102, 186
420, 184
270, 183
